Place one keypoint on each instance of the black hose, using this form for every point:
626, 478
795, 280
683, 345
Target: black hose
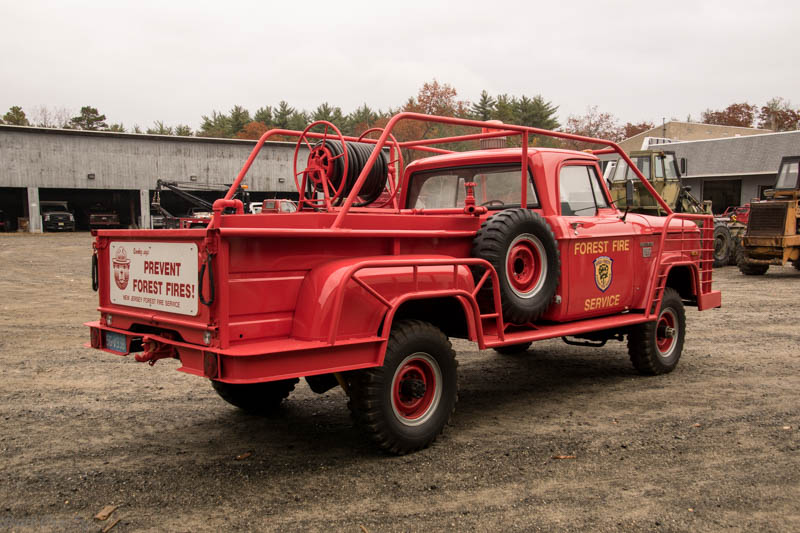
200, 277
95, 280
357, 156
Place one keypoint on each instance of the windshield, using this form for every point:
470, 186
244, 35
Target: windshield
496, 187
787, 179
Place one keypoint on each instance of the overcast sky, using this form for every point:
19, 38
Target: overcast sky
174, 61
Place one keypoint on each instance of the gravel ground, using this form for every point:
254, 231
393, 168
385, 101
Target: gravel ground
714, 445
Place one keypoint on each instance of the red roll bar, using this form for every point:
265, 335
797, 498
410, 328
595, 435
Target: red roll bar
424, 145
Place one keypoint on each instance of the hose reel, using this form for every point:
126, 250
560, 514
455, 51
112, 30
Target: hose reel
326, 157
333, 167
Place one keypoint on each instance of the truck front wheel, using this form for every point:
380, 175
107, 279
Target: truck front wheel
655, 347
257, 398
406, 403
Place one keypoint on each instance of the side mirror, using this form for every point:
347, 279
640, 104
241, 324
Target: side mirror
683, 166
629, 191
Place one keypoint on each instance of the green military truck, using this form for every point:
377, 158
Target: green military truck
660, 167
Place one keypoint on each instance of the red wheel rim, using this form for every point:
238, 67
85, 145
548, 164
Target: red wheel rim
666, 333
416, 389
525, 267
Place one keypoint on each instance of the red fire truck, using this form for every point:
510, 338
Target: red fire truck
382, 263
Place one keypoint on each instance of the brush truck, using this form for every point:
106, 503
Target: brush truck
382, 263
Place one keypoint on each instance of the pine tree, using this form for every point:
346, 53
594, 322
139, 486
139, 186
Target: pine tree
282, 115
89, 119
15, 117
484, 108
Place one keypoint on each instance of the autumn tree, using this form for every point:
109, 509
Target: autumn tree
89, 119
254, 130
630, 129
741, 115
433, 98
15, 117
592, 124
778, 115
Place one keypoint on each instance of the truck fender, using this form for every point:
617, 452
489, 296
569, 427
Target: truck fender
332, 305
684, 277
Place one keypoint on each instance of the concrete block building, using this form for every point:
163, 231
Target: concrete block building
119, 170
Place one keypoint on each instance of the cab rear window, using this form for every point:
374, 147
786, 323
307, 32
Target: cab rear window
496, 187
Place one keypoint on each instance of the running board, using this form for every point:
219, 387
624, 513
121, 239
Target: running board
568, 329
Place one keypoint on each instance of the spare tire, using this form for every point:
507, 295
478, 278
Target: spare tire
723, 245
521, 247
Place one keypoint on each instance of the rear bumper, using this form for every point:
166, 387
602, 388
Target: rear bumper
772, 250
254, 362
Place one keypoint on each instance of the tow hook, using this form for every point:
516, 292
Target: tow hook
155, 350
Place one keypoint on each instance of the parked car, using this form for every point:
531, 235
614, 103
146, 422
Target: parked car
57, 216
278, 205
103, 217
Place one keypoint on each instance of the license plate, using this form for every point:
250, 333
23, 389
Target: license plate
116, 342
60, 223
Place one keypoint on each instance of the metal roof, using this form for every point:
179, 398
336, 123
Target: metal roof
735, 156
137, 136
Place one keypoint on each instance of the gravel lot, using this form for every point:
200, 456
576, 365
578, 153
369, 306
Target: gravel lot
714, 445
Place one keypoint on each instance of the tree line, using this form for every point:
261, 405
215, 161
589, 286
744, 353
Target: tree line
434, 98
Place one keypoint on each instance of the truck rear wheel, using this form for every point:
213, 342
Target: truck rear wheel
521, 247
255, 397
406, 403
655, 347
723, 245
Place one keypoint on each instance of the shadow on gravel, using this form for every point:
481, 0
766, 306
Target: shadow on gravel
320, 427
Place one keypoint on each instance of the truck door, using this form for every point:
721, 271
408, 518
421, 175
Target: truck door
597, 255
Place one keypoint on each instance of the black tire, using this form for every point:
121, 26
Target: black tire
750, 269
736, 251
385, 401
655, 347
723, 245
513, 349
519, 238
257, 398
